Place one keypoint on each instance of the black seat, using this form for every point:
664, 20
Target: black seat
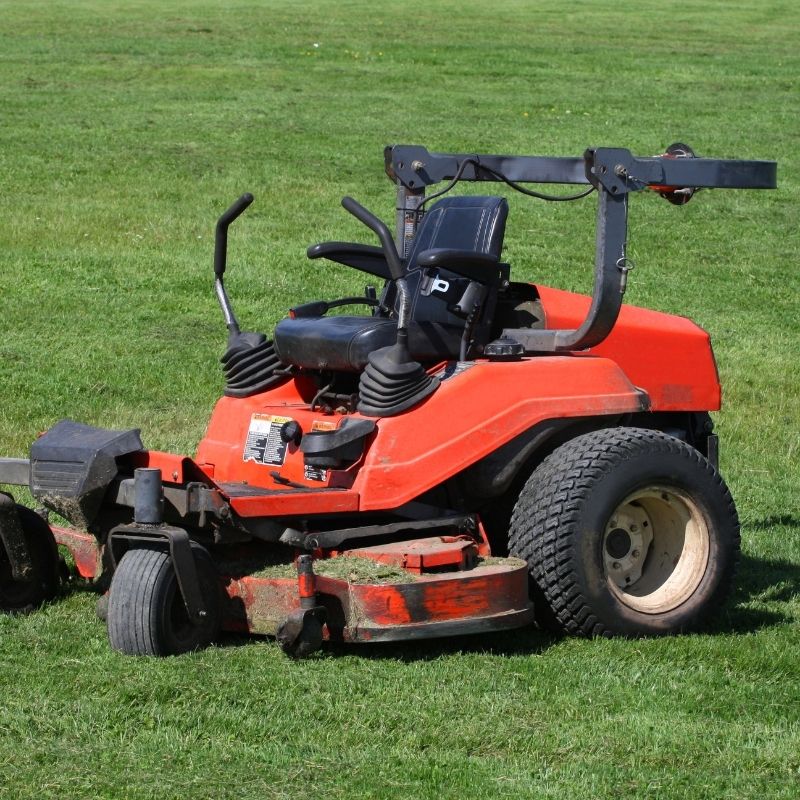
468, 225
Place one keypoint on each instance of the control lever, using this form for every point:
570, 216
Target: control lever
221, 256
376, 225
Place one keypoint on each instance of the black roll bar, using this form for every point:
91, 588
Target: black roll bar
614, 172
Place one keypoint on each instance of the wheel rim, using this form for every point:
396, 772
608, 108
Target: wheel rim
655, 549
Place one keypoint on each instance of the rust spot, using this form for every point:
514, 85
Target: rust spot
84, 549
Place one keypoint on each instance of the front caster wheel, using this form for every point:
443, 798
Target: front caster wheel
24, 596
301, 634
146, 615
629, 532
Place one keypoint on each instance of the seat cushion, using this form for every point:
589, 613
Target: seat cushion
336, 343
344, 343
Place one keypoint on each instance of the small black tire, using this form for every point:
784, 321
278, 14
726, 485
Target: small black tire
627, 532
23, 597
308, 639
146, 614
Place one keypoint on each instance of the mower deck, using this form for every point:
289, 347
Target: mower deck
407, 603
487, 598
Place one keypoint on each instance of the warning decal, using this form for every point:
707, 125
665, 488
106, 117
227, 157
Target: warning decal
315, 473
264, 444
323, 425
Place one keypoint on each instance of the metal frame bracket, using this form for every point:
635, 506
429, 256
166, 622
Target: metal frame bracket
194, 498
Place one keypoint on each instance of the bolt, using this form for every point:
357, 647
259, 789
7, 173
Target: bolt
636, 554
616, 565
613, 523
634, 528
417, 165
620, 171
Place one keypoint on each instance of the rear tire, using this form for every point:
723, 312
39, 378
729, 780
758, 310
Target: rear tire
626, 531
22, 597
146, 615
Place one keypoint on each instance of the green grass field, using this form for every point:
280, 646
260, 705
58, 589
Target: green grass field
126, 128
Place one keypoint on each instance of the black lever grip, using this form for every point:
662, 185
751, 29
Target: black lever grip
378, 227
221, 238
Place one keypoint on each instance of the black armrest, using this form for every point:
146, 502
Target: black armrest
480, 267
364, 257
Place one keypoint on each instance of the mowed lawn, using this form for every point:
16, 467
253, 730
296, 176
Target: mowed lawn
126, 128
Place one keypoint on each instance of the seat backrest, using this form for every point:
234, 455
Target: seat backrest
460, 223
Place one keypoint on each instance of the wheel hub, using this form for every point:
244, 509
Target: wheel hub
618, 543
655, 549
627, 539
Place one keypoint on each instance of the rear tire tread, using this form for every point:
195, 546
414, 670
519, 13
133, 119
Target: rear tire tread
552, 499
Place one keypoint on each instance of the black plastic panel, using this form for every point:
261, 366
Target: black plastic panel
72, 465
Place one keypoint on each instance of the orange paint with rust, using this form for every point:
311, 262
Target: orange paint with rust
82, 546
174, 468
480, 592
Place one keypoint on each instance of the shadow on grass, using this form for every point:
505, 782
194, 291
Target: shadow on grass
775, 521
762, 580
523, 641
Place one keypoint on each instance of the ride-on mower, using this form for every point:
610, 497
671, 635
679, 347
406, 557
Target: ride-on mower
471, 454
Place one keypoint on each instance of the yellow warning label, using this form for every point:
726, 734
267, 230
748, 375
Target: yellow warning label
264, 444
323, 425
